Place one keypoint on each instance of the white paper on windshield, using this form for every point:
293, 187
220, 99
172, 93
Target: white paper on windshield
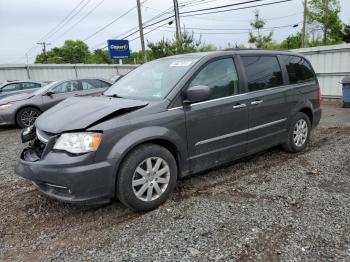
181, 63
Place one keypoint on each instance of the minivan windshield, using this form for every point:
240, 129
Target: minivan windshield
153, 80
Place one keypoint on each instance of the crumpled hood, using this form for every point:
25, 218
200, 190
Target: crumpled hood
81, 112
14, 98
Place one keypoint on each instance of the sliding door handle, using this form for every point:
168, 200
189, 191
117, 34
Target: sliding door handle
239, 106
256, 102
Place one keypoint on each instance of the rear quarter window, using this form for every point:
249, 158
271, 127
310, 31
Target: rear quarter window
299, 70
262, 72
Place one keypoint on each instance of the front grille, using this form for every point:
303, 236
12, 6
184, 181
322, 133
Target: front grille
38, 147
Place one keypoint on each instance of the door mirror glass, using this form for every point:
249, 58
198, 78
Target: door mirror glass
196, 94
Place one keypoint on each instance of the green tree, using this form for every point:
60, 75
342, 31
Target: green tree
186, 44
71, 52
323, 15
291, 42
258, 39
100, 56
346, 33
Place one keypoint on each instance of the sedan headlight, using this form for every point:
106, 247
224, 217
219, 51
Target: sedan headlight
2, 107
77, 143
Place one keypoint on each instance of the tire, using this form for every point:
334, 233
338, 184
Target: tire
297, 129
133, 178
31, 113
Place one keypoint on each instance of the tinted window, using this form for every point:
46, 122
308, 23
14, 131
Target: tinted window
11, 87
220, 76
298, 69
30, 85
88, 84
65, 87
262, 72
104, 84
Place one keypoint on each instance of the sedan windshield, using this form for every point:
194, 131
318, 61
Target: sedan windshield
45, 88
153, 80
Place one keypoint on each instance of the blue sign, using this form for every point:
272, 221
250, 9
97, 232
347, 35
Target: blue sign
118, 49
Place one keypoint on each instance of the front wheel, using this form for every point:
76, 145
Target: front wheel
146, 178
299, 133
27, 116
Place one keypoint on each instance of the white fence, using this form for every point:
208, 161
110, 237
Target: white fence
51, 72
331, 64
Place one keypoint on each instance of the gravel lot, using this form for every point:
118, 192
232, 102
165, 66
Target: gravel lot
274, 206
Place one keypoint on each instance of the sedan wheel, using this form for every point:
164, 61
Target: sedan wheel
27, 116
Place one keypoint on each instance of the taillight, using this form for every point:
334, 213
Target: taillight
319, 94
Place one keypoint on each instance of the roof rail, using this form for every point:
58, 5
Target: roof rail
238, 48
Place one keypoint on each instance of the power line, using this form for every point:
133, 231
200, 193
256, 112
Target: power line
34, 46
240, 8
112, 22
234, 29
150, 31
221, 6
167, 18
230, 20
136, 31
109, 24
235, 33
68, 20
79, 21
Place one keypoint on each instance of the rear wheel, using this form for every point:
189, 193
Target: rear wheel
27, 116
146, 178
299, 133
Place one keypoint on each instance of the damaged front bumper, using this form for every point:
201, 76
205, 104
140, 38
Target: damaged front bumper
69, 178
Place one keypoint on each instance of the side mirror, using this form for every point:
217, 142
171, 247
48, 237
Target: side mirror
49, 93
196, 94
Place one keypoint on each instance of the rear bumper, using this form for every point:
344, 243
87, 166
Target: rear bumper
317, 117
74, 180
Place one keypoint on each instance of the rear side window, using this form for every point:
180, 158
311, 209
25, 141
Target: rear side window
262, 72
220, 76
93, 83
11, 87
30, 85
299, 70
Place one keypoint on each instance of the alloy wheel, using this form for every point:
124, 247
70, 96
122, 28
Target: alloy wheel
300, 133
151, 178
28, 117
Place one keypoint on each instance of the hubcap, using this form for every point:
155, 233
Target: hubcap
151, 178
300, 133
28, 117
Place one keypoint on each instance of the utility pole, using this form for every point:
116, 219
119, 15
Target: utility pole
144, 57
177, 20
303, 32
325, 28
44, 44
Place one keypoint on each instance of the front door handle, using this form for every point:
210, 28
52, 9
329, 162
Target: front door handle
239, 106
256, 102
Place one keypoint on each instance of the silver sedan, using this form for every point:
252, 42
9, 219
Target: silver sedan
23, 109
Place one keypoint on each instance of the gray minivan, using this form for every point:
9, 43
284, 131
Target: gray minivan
167, 119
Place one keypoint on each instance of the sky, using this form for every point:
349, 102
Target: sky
23, 23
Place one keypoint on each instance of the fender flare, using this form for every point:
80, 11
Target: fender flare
143, 135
